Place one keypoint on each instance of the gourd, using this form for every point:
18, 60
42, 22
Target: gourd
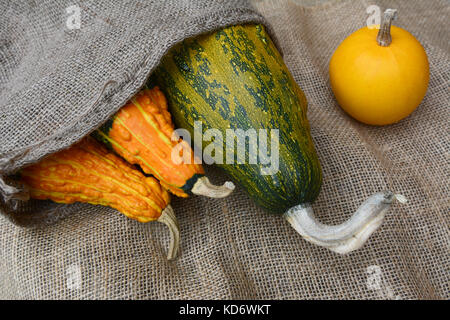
142, 133
235, 78
88, 172
379, 75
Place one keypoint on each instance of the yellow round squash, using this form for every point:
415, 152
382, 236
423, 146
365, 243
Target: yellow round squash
379, 75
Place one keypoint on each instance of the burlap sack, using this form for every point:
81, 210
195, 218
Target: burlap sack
230, 248
70, 65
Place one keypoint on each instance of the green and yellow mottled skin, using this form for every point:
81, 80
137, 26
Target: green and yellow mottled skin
236, 78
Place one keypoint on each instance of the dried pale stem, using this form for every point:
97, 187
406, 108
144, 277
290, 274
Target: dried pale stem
350, 235
168, 218
384, 38
204, 187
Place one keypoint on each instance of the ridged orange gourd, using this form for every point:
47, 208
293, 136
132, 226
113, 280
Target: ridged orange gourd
88, 172
141, 132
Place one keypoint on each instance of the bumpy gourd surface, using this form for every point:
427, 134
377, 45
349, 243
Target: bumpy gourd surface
141, 133
235, 78
88, 172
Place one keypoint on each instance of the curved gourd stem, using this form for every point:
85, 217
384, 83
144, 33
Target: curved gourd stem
384, 38
204, 187
168, 218
350, 235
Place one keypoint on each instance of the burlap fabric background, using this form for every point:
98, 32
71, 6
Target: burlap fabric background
230, 248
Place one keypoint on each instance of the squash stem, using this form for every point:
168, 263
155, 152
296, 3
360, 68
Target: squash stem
169, 219
204, 187
384, 38
350, 235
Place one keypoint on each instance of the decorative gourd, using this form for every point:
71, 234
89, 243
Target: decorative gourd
88, 172
379, 79
235, 78
141, 132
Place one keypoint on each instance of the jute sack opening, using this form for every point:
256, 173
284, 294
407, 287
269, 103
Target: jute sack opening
69, 67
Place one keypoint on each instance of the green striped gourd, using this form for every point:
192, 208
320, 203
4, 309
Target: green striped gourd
235, 78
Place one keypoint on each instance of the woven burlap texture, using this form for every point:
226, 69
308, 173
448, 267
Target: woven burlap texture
231, 248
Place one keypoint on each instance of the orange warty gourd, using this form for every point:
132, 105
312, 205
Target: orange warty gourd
88, 172
379, 75
141, 132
